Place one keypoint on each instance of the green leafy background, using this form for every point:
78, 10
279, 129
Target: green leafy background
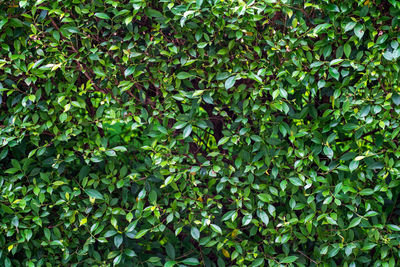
199, 133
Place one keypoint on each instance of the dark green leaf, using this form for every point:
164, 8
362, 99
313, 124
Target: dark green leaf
94, 193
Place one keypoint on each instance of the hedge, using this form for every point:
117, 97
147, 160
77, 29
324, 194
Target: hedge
199, 133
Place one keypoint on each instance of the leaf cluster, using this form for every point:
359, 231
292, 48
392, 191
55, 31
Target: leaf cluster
199, 133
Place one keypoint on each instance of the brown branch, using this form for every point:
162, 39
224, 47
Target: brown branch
307, 257
80, 68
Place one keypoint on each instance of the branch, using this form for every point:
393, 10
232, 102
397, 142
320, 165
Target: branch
80, 68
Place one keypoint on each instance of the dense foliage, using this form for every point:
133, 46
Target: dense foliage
199, 133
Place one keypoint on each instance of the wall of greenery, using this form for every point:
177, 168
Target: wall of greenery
199, 133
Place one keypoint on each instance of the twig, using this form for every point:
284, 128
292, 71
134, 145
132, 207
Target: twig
307, 257
80, 68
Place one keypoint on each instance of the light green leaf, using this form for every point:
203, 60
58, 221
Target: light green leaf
355, 222
257, 262
263, 197
170, 263
129, 71
289, 259
328, 152
353, 165
223, 140
335, 73
216, 228
264, 217
183, 75
349, 26
187, 131
191, 261
393, 227
347, 50
359, 31
195, 233
230, 82
102, 15
296, 181
141, 233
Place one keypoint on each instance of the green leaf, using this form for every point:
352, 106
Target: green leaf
349, 127
230, 82
216, 228
183, 75
355, 222
393, 227
15, 221
228, 215
371, 213
3, 22
154, 259
257, 262
170, 250
353, 165
375, 165
202, 45
335, 73
154, 13
396, 99
347, 50
296, 181
141, 233
322, 27
328, 152
118, 240
223, 140
333, 252
187, 131
264, 217
331, 220
289, 259
263, 197
191, 261
94, 193
336, 61
324, 250
99, 72
195, 233
364, 112
328, 200
388, 55
381, 39
222, 51
111, 153
369, 246
366, 192
246, 219
128, 20
63, 117
316, 64
359, 31
349, 26
130, 253
102, 15
170, 263
129, 71
199, 3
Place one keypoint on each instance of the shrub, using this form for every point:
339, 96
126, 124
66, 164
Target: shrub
199, 133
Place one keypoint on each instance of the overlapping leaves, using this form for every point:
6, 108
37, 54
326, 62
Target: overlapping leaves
199, 133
